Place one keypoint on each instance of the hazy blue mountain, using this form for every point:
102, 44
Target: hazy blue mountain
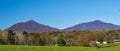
31, 26
94, 25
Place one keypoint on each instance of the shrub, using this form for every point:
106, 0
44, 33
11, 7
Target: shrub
61, 42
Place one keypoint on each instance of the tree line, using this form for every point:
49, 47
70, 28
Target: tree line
58, 38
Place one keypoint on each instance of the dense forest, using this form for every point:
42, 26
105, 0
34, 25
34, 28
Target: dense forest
58, 38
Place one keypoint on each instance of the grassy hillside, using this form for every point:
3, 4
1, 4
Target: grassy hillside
52, 48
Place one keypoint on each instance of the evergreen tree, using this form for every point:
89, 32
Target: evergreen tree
11, 37
61, 42
25, 34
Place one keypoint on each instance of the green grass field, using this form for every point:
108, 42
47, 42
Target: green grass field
58, 48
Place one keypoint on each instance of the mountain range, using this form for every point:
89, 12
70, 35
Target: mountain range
32, 26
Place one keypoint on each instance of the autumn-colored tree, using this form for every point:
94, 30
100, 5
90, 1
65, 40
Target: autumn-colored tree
62, 38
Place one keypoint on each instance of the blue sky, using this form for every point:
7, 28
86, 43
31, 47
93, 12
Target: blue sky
58, 13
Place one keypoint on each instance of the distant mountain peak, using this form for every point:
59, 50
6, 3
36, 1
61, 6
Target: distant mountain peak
98, 21
94, 25
31, 21
31, 26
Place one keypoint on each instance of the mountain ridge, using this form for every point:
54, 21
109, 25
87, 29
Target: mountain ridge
94, 25
31, 26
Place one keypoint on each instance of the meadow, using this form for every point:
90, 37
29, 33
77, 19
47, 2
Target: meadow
58, 48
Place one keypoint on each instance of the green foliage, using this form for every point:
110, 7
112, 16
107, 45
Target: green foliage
11, 37
1, 41
41, 42
100, 38
61, 42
